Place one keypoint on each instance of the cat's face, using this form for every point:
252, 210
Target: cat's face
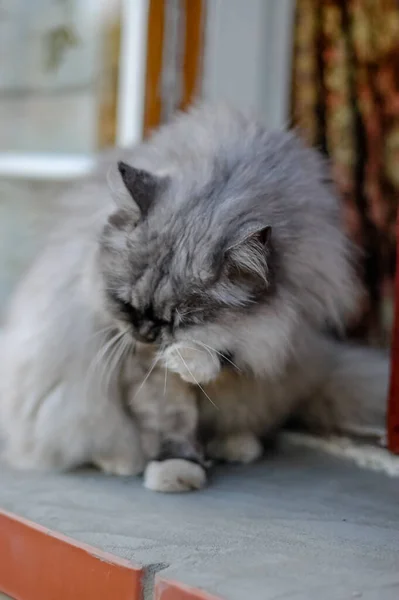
172, 266
187, 259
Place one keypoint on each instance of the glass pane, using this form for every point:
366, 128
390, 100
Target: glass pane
59, 64
51, 63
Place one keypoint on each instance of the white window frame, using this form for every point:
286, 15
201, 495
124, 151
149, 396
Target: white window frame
130, 108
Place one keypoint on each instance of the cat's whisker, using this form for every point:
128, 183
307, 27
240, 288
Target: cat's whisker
195, 349
106, 374
190, 312
101, 332
99, 357
198, 384
219, 353
179, 315
150, 370
208, 350
121, 354
115, 358
104, 349
166, 380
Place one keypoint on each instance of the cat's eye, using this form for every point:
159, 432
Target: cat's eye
128, 308
125, 307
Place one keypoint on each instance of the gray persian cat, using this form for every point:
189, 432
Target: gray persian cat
187, 309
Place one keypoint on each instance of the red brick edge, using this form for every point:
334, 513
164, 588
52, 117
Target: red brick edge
172, 590
39, 564
393, 403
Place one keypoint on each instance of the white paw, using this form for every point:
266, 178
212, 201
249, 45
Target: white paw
193, 364
242, 448
174, 475
123, 467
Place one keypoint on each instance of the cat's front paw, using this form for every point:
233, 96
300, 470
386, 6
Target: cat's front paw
242, 448
175, 475
193, 364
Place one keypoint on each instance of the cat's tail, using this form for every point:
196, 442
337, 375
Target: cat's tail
353, 398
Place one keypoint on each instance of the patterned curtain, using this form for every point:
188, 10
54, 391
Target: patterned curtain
345, 100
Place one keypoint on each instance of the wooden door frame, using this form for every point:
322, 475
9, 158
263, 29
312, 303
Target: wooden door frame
393, 401
193, 49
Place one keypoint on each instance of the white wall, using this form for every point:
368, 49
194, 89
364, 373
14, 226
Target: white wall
248, 55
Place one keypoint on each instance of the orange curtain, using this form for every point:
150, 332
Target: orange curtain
345, 100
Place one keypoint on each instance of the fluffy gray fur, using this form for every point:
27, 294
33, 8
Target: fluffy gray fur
223, 265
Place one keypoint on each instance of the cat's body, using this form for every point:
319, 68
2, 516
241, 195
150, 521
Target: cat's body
63, 403
195, 273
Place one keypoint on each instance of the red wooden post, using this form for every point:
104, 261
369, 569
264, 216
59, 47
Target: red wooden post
393, 404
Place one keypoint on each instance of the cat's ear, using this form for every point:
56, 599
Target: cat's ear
263, 235
250, 251
141, 185
258, 233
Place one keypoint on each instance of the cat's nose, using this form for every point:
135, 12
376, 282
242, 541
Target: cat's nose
147, 332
